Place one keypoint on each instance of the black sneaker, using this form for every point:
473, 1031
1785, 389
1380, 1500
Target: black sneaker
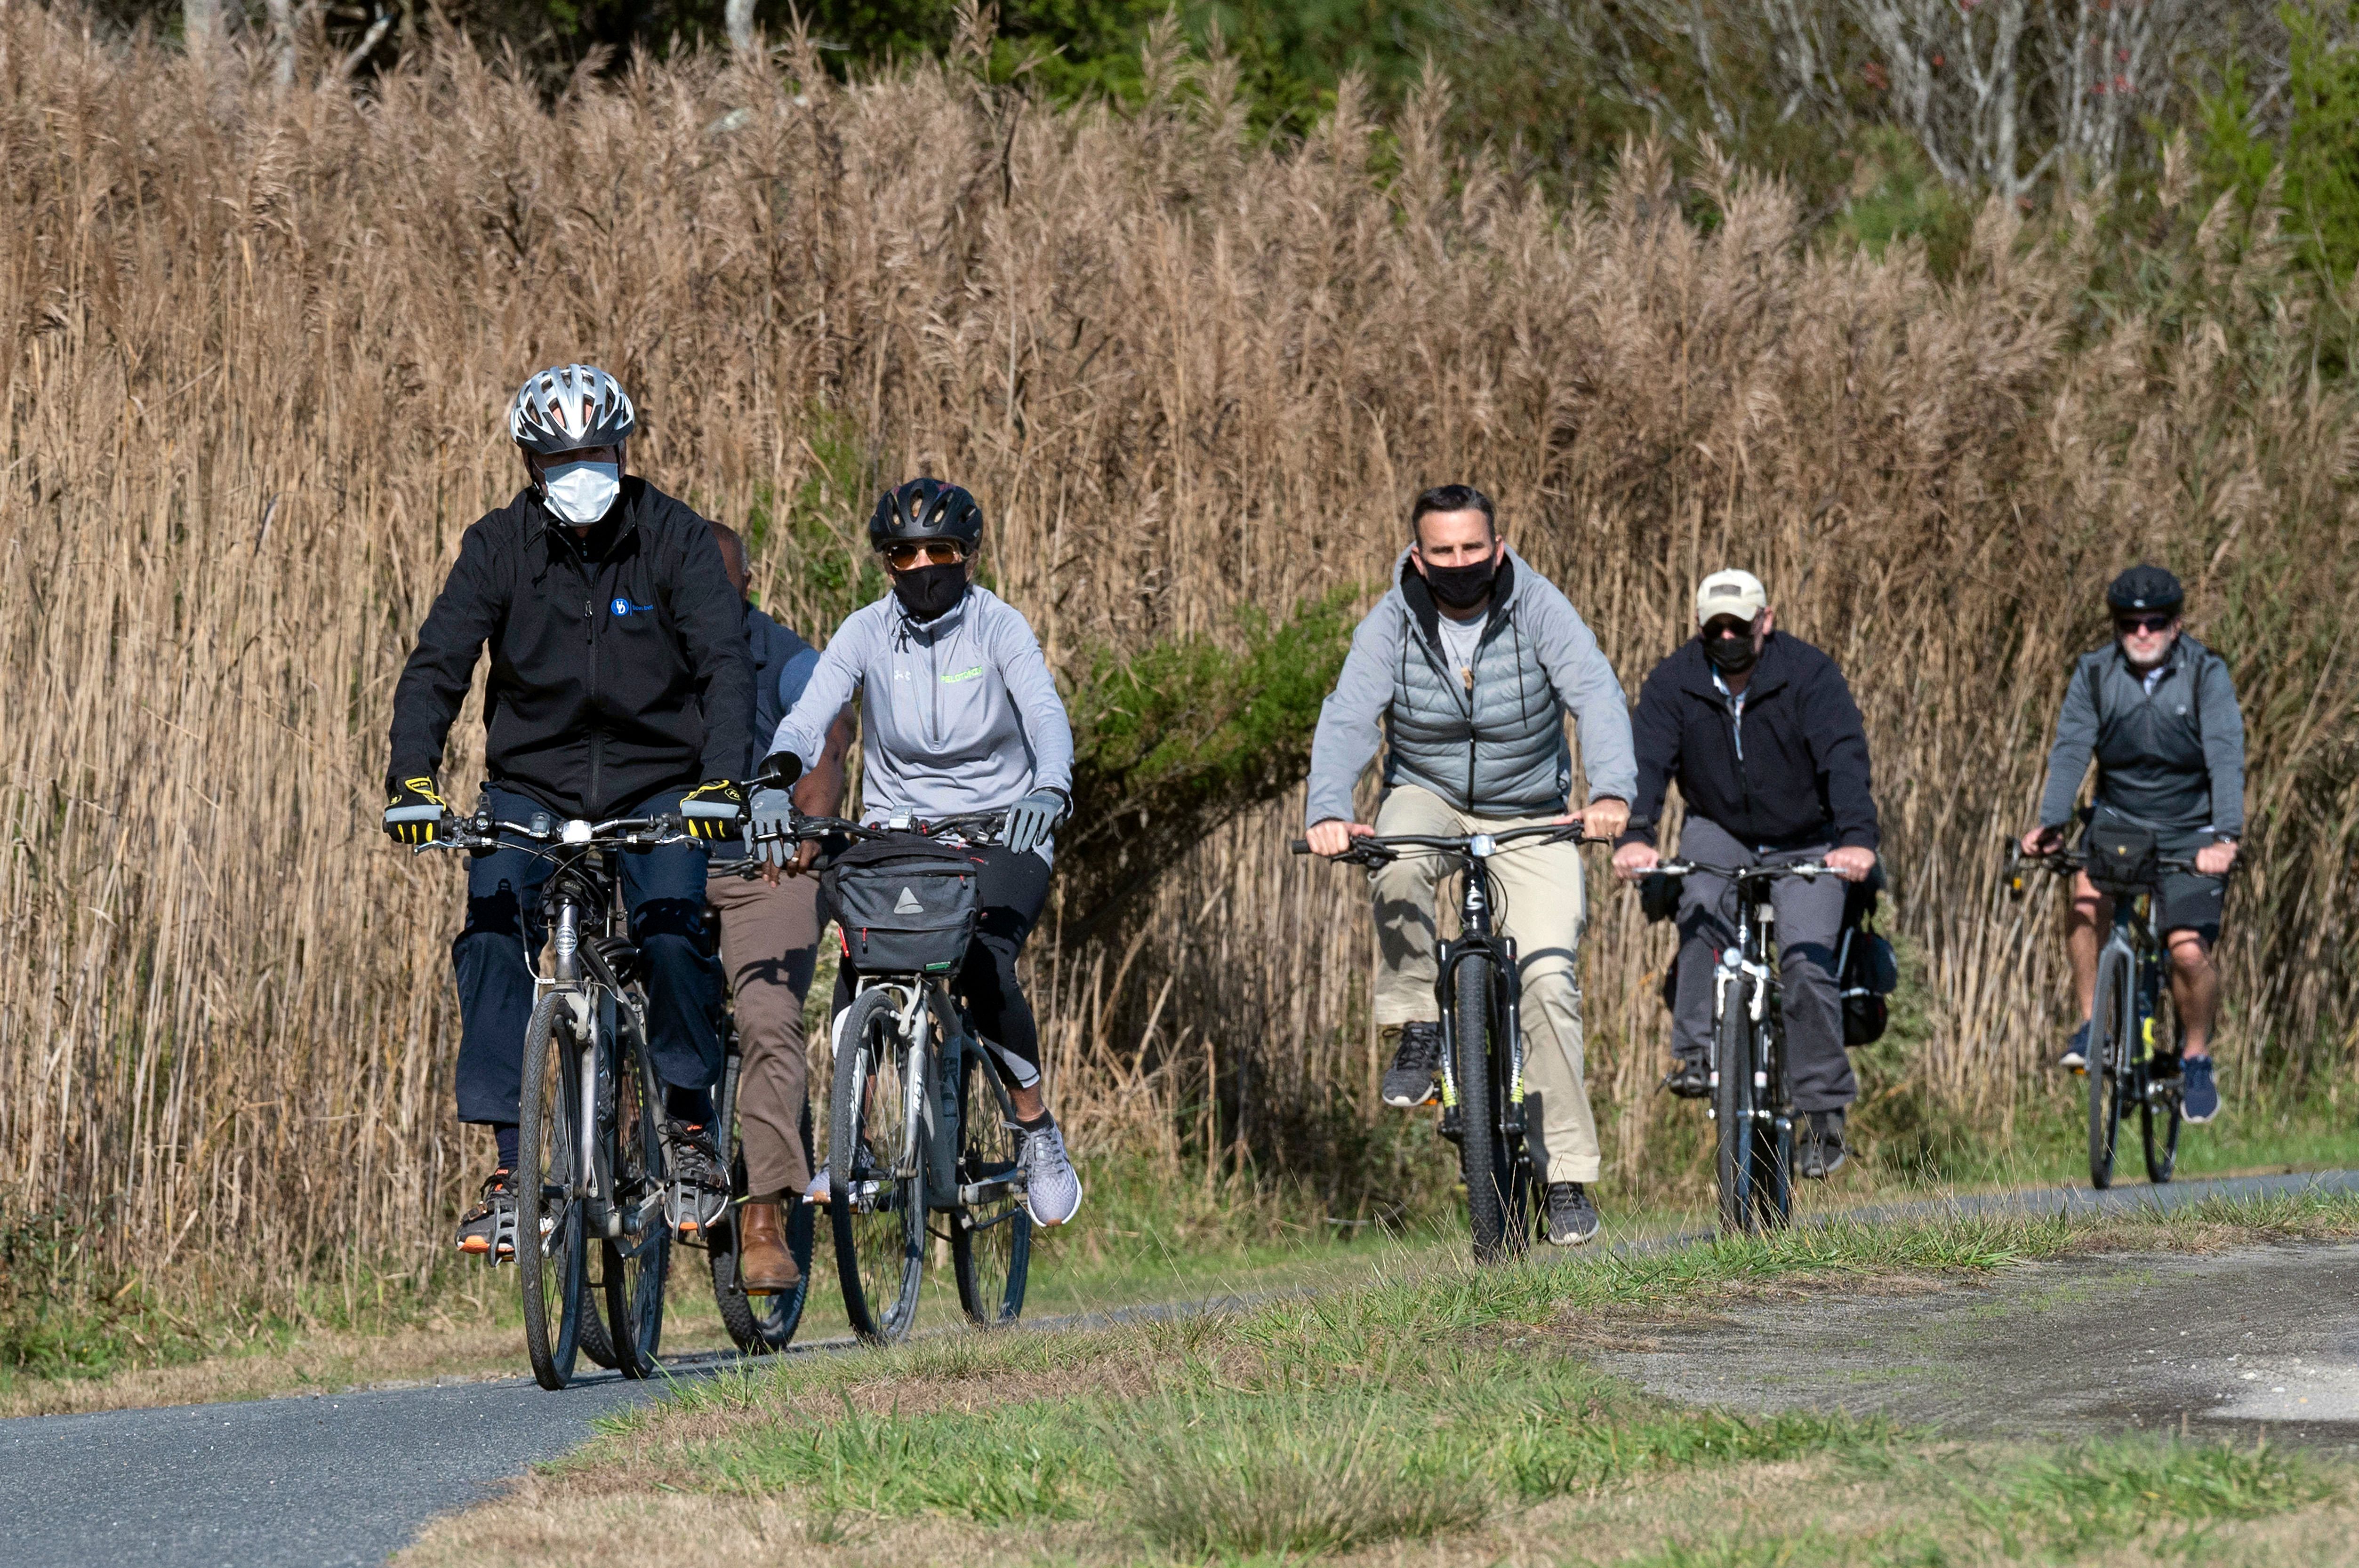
1688, 1079
1822, 1145
1410, 1081
488, 1230
1571, 1217
699, 1194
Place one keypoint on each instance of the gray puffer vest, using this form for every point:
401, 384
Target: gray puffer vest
1495, 749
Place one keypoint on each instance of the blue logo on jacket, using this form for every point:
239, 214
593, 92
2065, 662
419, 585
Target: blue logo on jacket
623, 606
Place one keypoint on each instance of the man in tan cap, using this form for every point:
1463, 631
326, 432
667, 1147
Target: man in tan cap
1759, 729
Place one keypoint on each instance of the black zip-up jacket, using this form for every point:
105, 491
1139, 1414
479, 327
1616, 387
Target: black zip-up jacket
1802, 775
619, 663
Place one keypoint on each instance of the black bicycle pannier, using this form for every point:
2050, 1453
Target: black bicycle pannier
1658, 897
905, 906
2123, 857
1866, 969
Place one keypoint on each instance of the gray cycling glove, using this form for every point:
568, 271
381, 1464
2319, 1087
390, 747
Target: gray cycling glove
1032, 820
772, 809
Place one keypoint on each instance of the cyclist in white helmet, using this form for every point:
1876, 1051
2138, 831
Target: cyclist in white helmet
958, 715
620, 684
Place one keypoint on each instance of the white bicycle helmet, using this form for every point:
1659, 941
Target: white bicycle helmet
568, 407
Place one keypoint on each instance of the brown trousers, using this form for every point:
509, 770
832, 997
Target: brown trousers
769, 941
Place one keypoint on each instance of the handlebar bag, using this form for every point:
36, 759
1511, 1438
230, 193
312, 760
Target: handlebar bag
904, 906
1866, 969
2123, 856
1658, 897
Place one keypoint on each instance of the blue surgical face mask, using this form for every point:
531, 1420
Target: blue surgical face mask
582, 494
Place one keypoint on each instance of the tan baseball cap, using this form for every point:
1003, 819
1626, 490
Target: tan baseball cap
1730, 592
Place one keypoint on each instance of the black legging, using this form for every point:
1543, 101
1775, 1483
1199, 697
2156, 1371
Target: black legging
1011, 889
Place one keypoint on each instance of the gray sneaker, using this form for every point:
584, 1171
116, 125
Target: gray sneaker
1417, 1063
699, 1192
1571, 1217
1052, 1192
1822, 1145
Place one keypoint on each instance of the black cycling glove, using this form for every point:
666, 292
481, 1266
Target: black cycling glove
714, 810
413, 812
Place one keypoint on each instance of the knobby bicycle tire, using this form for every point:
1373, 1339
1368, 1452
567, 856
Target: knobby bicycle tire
552, 1267
876, 1211
991, 1242
757, 1324
636, 1264
1488, 1207
1732, 1055
2110, 1047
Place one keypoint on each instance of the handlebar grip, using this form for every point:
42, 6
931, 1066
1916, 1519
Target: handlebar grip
1301, 845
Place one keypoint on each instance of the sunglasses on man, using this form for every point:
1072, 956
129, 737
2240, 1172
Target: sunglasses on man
2127, 624
932, 552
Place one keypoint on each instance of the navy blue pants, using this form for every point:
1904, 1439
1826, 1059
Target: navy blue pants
494, 959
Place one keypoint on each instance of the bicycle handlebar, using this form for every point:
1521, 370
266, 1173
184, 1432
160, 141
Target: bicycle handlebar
975, 827
1376, 849
1809, 870
543, 833
2063, 862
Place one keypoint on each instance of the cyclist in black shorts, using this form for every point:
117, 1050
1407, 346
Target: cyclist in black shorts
2158, 711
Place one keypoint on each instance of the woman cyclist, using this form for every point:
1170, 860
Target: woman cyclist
958, 715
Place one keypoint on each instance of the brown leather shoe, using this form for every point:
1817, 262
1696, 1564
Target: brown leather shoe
765, 1267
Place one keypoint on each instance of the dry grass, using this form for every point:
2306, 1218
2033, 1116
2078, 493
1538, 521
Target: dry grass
251, 352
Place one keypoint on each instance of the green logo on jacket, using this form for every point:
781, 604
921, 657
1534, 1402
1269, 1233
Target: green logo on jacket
967, 674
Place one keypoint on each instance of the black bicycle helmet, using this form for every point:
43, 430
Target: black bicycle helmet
2145, 587
925, 508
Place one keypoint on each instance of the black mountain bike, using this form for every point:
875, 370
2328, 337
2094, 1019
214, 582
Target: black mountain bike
758, 1325
1751, 1109
920, 1124
592, 1187
2124, 1067
1481, 992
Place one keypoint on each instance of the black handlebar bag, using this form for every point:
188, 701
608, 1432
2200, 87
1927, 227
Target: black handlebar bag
2123, 857
905, 906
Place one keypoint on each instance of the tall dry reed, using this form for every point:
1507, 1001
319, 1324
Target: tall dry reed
253, 348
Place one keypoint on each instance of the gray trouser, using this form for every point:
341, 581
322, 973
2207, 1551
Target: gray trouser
1810, 923
1543, 905
769, 941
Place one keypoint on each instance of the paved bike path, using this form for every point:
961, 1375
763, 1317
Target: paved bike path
350, 1478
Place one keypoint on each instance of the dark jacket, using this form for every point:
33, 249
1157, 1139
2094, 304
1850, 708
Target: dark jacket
1803, 776
783, 662
2173, 758
619, 665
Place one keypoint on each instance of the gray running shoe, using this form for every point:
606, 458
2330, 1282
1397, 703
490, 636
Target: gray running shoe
699, 1194
1571, 1217
1822, 1146
1410, 1081
1051, 1189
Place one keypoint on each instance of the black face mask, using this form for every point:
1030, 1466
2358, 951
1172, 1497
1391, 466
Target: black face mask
1461, 588
927, 593
1731, 656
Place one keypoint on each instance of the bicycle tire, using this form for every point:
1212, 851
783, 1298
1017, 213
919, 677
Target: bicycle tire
552, 1265
1773, 1142
1479, 1150
2115, 1015
2161, 1142
758, 1325
877, 1212
636, 1264
991, 1243
1731, 1054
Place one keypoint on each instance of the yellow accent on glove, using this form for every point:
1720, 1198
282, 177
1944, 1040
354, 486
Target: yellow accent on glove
413, 812
715, 810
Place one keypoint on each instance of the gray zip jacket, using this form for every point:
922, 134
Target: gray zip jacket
2172, 759
1493, 748
957, 714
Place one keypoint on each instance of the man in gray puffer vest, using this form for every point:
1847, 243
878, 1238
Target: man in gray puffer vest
1470, 664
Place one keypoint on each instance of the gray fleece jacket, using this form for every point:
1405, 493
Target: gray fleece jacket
1489, 738
958, 714
2173, 757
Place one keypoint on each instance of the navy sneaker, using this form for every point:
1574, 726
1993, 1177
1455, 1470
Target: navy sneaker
2198, 1097
2076, 1050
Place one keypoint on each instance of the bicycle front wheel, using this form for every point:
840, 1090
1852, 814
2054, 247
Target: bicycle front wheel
877, 1198
991, 1236
758, 1325
637, 1260
2159, 1112
1731, 1105
553, 1235
1483, 1156
1773, 1137
2110, 1045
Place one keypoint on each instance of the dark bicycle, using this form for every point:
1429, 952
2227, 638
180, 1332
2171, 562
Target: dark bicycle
593, 1192
1751, 1108
757, 1324
920, 1123
2123, 1067
1480, 990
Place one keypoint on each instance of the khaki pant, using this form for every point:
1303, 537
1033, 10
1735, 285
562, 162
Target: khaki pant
769, 940
1542, 904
